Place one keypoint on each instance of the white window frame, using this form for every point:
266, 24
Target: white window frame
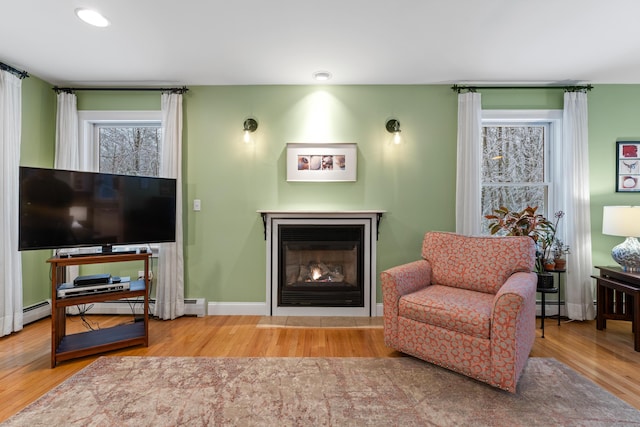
552, 118
88, 122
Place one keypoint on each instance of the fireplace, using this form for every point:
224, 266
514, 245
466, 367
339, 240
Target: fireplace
321, 263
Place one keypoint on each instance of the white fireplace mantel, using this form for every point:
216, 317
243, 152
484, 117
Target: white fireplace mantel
272, 219
271, 214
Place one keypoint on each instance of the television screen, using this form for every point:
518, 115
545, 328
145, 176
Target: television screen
63, 209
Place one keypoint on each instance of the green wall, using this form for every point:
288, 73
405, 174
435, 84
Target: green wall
36, 149
414, 182
614, 115
224, 242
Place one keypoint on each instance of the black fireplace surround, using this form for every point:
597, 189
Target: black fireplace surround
321, 266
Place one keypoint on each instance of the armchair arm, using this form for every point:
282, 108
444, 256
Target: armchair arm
396, 282
513, 327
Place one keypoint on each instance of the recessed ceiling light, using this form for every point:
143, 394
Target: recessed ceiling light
92, 17
322, 76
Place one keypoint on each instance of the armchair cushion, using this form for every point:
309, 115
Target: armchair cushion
450, 308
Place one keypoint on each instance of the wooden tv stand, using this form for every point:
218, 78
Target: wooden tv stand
65, 347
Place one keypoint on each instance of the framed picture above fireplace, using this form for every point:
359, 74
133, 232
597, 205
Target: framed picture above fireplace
322, 162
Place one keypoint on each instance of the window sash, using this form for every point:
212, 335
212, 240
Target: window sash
551, 189
145, 161
89, 119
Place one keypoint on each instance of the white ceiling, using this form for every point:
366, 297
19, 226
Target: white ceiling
249, 42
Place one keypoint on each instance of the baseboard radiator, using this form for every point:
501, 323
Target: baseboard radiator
128, 306
36, 312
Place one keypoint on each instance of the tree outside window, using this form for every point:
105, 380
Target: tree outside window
129, 150
514, 168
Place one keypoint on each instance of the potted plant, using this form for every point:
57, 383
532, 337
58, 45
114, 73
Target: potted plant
546, 245
555, 249
549, 264
560, 250
528, 222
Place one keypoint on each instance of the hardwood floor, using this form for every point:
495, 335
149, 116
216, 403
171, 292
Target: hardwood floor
606, 357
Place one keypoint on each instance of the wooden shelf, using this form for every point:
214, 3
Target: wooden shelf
65, 347
101, 340
136, 289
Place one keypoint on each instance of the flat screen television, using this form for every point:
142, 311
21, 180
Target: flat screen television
68, 209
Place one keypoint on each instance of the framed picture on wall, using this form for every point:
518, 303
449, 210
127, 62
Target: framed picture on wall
332, 162
628, 166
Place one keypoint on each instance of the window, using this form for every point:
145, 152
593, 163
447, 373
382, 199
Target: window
129, 149
121, 142
520, 159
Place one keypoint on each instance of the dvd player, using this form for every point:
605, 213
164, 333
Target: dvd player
69, 290
93, 279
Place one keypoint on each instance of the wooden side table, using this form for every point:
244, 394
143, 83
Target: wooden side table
618, 299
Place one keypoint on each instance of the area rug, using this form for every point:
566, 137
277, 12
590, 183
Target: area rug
160, 391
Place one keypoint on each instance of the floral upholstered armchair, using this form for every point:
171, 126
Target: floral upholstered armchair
468, 305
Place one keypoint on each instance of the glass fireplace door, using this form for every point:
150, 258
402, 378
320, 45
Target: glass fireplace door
321, 266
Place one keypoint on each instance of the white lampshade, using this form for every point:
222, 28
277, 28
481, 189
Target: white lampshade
621, 221
624, 221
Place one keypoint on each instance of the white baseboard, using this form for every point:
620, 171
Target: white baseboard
260, 308
196, 307
237, 308
550, 309
127, 307
251, 309
379, 310
192, 307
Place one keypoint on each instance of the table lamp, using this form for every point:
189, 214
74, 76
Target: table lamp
624, 221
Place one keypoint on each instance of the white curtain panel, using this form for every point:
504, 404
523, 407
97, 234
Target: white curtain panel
10, 258
170, 288
579, 290
468, 194
67, 155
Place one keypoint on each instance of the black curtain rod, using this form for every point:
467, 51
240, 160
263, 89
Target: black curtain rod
576, 88
182, 89
19, 73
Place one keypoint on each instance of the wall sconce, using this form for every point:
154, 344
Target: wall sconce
249, 126
624, 221
393, 126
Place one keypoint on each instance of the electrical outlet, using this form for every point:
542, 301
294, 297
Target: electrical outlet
141, 275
